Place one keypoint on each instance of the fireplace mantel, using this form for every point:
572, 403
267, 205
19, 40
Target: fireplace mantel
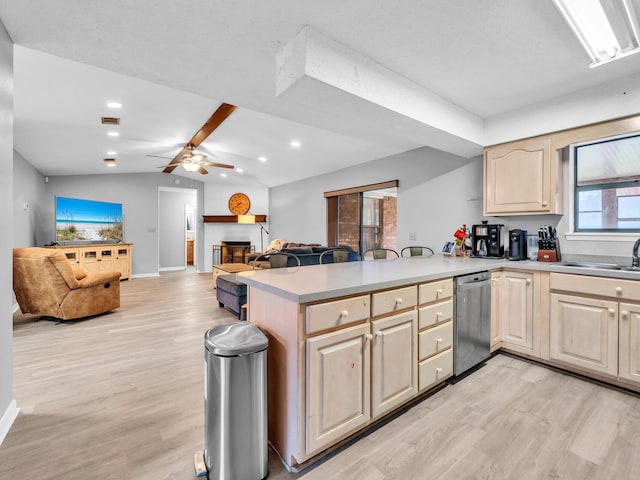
229, 218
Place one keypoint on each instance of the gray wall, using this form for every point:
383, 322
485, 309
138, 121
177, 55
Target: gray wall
171, 226
6, 240
433, 197
138, 194
28, 196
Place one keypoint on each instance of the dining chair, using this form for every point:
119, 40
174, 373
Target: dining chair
416, 251
380, 254
277, 260
335, 255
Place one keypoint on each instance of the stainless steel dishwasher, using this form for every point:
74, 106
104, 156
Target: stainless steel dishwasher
472, 322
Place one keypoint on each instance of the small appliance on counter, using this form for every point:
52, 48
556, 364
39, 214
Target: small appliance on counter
488, 240
517, 244
548, 244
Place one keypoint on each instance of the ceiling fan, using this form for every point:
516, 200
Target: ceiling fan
188, 157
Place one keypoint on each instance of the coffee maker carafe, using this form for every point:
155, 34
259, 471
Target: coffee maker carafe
517, 245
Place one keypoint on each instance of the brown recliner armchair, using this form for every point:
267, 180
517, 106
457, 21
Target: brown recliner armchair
45, 284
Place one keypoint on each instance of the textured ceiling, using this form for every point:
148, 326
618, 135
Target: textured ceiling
483, 59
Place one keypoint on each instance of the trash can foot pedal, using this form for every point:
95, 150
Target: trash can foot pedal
199, 465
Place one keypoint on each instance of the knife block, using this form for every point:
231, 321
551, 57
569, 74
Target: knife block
549, 255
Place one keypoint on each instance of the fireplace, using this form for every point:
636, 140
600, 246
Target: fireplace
234, 251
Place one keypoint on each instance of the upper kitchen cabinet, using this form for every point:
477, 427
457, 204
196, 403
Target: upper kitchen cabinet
522, 177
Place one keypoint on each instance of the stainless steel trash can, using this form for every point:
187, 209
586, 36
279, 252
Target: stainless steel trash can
235, 402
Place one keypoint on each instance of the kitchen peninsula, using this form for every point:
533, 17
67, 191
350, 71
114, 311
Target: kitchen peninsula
352, 342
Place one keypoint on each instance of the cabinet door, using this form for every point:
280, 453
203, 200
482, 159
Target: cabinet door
516, 310
338, 388
394, 377
73, 255
89, 257
584, 332
123, 261
629, 343
518, 177
496, 336
107, 259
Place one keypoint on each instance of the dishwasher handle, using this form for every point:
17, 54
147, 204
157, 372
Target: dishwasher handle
461, 287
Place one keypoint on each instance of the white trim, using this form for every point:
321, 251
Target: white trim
166, 269
601, 236
15, 308
145, 275
7, 420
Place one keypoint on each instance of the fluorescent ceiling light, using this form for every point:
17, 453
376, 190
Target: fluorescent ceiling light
608, 30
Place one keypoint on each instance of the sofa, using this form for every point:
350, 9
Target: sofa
45, 284
307, 253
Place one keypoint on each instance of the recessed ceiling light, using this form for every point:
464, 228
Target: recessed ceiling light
262, 159
239, 170
114, 105
295, 143
112, 152
113, 134
111, 164
223, 175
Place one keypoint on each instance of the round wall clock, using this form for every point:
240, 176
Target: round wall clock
239, 204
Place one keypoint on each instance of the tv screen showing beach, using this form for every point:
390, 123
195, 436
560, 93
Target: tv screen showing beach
87, 220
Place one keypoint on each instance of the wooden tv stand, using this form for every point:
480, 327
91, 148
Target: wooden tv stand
100, 257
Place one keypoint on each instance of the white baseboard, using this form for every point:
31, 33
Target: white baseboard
145, 275
7, 420
168, 269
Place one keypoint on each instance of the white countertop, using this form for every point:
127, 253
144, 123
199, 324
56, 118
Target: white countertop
320, 282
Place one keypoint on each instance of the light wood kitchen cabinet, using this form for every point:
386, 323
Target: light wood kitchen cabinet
496, 330
584, 333
394, 361
629, 343
435, 335
338, 389
100, 258
516, 311
595, 326
522, 177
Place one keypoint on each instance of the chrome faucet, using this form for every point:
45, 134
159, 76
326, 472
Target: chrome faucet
634, 254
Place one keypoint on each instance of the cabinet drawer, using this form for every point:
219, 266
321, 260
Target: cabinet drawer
434, 291
324, 316
435, 369
599, 286
393, 300
436, 313
435, 340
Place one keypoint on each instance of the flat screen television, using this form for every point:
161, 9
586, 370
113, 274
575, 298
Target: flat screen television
86, 221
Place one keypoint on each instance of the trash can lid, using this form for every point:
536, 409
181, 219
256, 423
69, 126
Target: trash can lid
235, 339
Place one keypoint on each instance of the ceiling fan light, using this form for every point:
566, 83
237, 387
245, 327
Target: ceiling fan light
191, 167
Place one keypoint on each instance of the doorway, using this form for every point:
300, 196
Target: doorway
177, 213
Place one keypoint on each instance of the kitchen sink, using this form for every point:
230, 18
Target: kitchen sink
605, 266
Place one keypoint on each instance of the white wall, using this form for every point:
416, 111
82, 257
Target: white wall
138, 194
216, 203
28, 195
171, 226
8, 410
434, 188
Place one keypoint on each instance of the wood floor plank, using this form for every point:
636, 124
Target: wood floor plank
120, 396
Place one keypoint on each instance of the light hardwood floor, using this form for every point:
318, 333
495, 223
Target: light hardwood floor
121, 397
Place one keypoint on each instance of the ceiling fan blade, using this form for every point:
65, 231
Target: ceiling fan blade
219, 165
159, 156
203, 171
198, 157
219, 116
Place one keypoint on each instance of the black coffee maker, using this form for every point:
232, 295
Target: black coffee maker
517, 244
488, 240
